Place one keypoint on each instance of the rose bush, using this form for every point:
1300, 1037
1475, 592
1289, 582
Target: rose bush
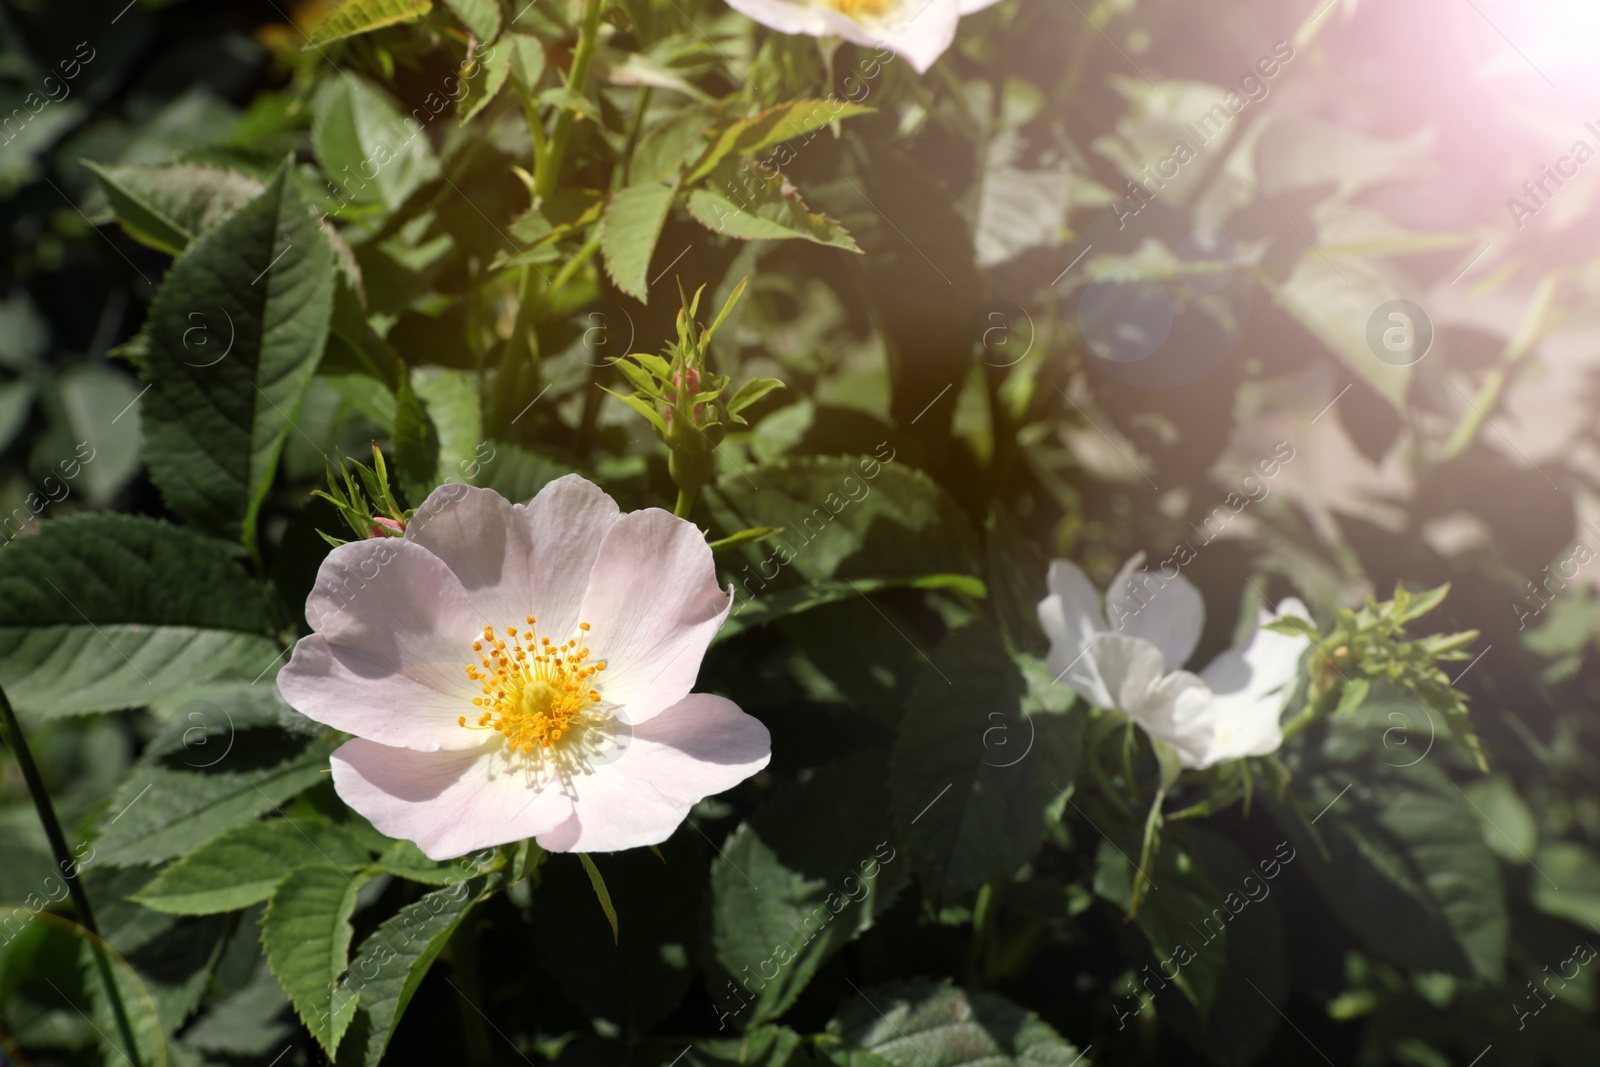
616, 531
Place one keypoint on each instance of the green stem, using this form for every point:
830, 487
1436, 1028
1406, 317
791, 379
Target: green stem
577, 81
66, 861
1536, 322
573, 265
685, 502
464, 956
541, 151
1300, 721
520, 351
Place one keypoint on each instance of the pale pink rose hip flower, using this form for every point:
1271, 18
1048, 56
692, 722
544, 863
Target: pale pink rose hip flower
1127, 656
919, 30
515, 671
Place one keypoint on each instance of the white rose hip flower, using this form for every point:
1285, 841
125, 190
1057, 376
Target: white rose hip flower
919, 30
1229, 710
515, 671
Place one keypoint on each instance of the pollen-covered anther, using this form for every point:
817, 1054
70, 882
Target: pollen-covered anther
535, 692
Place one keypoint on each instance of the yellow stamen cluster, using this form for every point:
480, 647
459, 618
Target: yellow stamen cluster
535, 692
857, 9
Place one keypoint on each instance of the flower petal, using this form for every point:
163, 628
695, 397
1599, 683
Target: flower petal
698, 747
786, 16
388, 660
1251, 684
1070, 616
969, 7
516, 560
1179, 712
1133, 671
654, 605
449, 803
1112, 667
919, 30
1167, 612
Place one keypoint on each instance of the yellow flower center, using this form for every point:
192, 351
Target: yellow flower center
535, 692
859, 9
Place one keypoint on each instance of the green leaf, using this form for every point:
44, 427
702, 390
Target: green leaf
1509, 827
168, 206
244, 865
1422, 603
569, 100
600, 892
216, 418
249, 1023
620, 67
1243, 1015
1181, 914
757, 607
765, 1046
306, 933
16, 401
1354, 695
922, 1024
668, 145
518, 474
185, 793
806, 876
633, 220
643, 407
162, 964
99, 405
846, 518
391, 963
970, 809
739, 201
750, 392
416, 443
370, 150
1333, 299
1294, 626
773, 126
527, 60
405, 859
485, 80
1018, 209
127, 569
353, 17
1565, 882
1410, 874
457, 414
482, 17
103, 612
638, 377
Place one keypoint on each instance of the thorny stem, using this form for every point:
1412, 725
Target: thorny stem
66, 861
577, 81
